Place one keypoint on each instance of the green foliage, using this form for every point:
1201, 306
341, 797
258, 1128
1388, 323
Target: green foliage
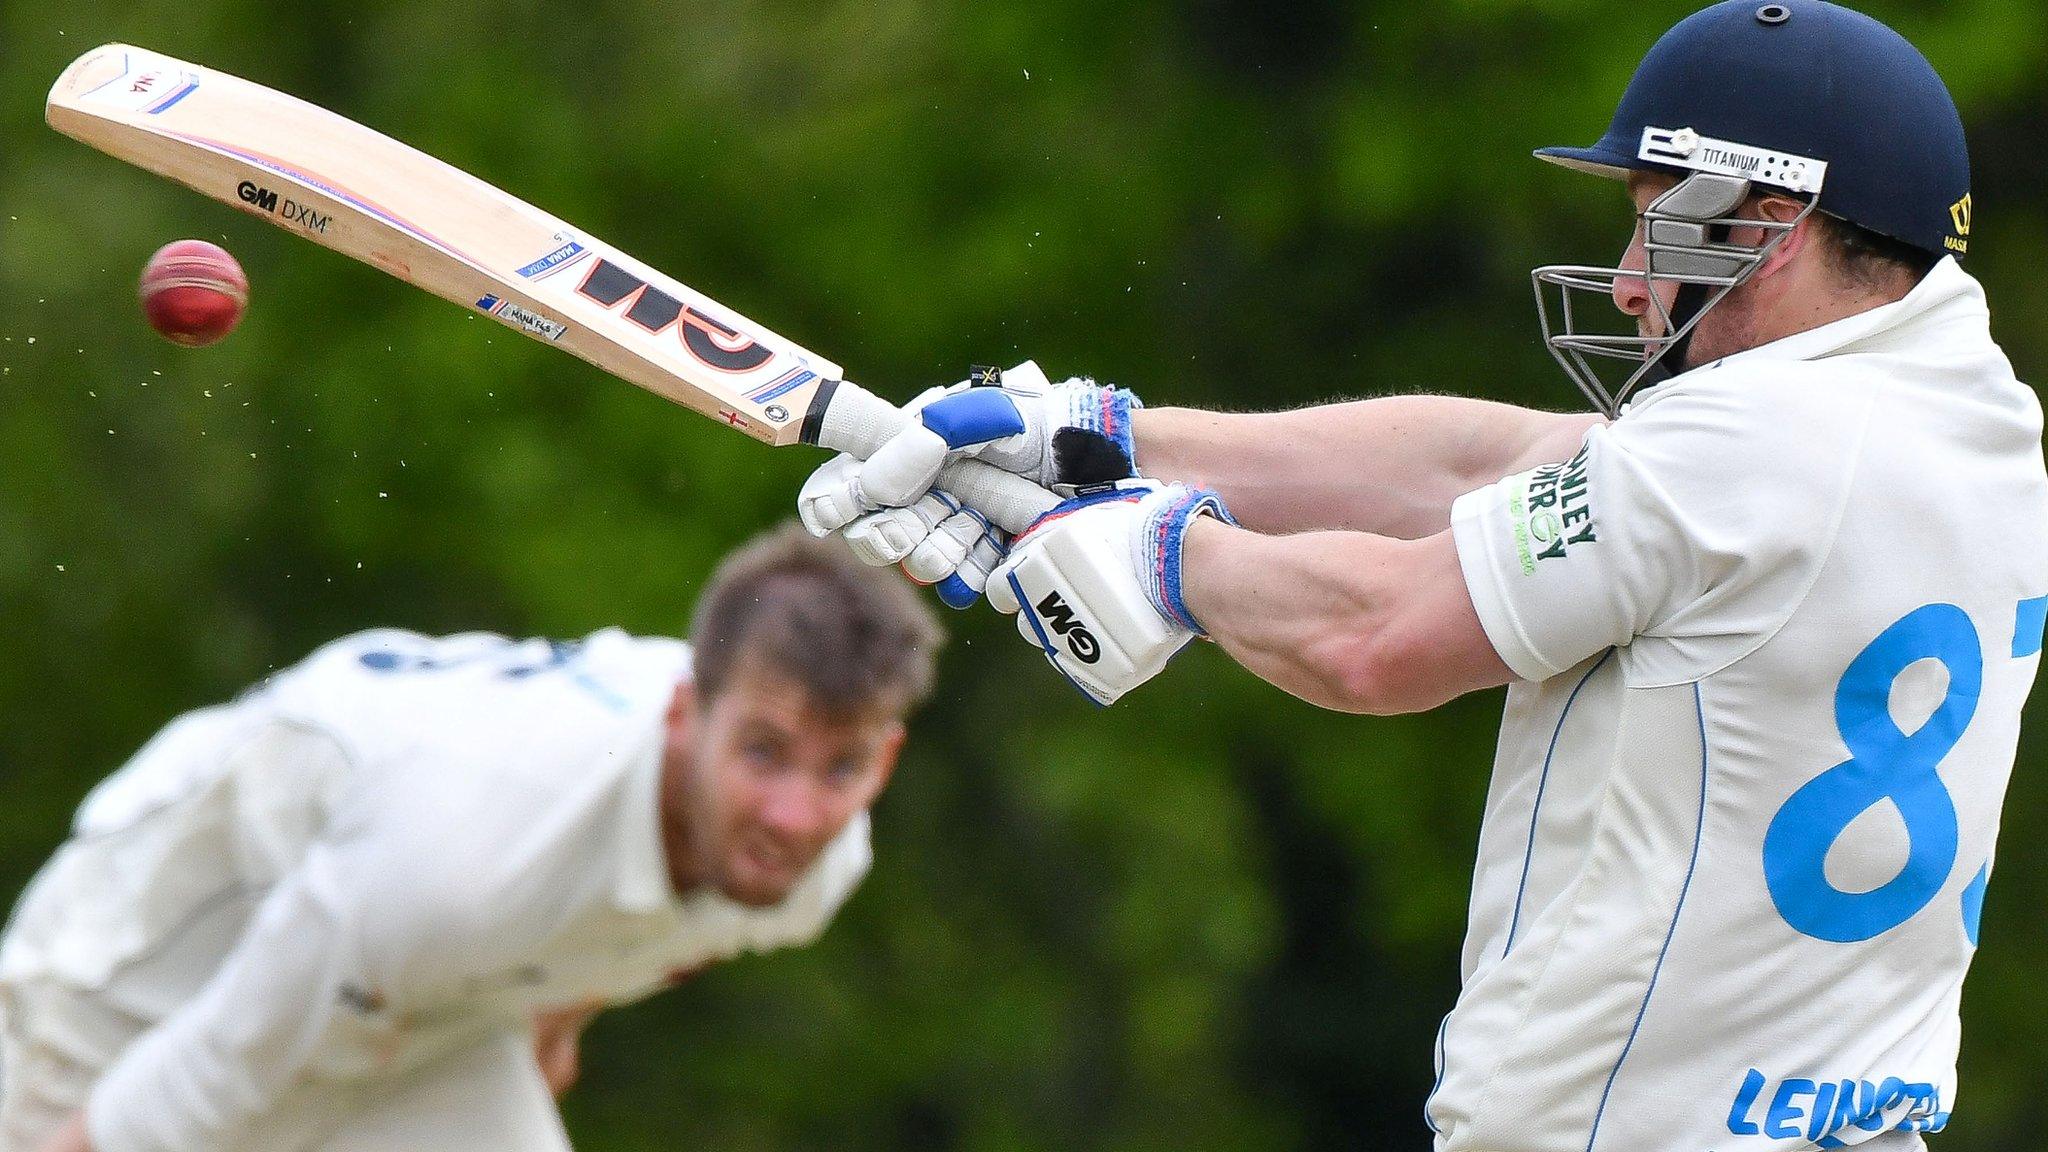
1212, 916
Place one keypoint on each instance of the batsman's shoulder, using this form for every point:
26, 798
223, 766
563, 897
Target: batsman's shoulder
1754, 420
1748, 462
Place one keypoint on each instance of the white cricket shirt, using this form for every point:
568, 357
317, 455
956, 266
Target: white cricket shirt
382, 854
1775, 625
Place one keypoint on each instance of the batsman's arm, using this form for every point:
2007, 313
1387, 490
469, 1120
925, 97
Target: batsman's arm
1345, 620
1390, 466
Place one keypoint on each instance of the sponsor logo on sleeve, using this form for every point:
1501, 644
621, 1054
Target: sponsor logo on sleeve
1551, 511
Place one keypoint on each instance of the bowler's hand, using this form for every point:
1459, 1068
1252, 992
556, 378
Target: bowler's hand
557, 1043
1096, 583
72, 1137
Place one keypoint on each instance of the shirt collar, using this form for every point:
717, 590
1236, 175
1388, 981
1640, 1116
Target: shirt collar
1945, 293
643, 883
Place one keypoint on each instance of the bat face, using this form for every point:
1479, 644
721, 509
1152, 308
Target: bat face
368, 196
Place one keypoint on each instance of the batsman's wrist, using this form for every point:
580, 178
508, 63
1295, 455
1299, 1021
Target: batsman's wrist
1168, 529
1106, 412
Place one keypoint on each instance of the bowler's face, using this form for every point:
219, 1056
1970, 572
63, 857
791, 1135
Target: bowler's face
770, 780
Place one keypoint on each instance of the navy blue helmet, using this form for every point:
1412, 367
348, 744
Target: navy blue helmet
1798, 96
1810, 79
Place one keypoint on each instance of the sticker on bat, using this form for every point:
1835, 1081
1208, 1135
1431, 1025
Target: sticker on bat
147, 83
283, 207
711, 343
560, 258
523, 318
782, 385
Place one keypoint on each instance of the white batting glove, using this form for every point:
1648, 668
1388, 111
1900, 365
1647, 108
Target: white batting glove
936, 539
1096, 584
836, 492
1061, 436
1070, 434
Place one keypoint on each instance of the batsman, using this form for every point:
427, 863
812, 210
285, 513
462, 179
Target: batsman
1767, 617
369, 906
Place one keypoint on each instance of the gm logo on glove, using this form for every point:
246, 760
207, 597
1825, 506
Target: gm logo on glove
1064, 621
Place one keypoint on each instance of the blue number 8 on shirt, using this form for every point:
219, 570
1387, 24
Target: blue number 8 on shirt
1884, 763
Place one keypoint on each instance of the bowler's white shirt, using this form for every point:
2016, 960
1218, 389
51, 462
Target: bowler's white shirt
1775, 625
396, 847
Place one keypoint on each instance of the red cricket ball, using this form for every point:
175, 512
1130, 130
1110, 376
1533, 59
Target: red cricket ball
193, 292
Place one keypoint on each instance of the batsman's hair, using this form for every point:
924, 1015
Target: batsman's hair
1872, 260
856, 639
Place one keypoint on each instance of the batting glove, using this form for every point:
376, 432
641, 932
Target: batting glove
936, 539
1061, 436
1096, 583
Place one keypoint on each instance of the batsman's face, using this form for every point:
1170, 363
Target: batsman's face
766, 780
1728, 327
1650, 303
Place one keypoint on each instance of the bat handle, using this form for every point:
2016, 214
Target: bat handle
845, 417
1009, 501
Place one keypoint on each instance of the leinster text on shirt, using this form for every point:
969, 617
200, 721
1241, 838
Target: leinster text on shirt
1817, 1110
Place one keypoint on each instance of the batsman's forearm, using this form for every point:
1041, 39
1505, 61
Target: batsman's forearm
1345, 620
1299, 612
1390, 466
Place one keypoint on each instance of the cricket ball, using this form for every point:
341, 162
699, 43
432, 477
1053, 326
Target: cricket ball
193, 292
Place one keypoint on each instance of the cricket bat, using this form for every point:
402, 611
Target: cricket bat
365, 195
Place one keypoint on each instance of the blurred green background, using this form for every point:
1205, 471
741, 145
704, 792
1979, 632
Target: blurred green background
1211, 916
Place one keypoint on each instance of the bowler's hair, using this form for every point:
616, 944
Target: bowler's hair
856, 639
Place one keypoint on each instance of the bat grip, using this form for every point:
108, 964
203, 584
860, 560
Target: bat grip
1009, 501
847, 418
